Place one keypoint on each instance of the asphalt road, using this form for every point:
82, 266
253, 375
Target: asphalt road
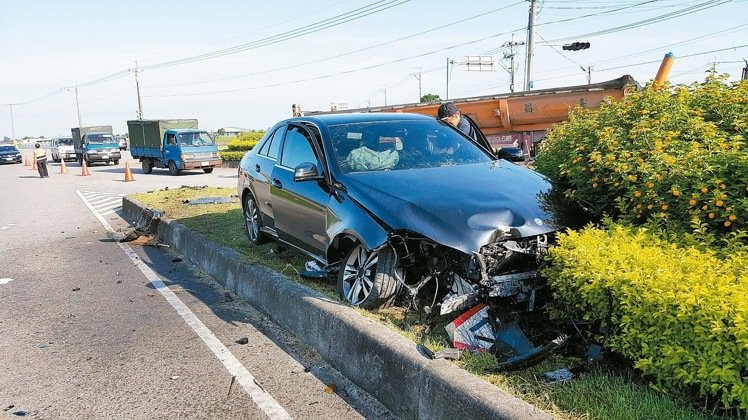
90, 328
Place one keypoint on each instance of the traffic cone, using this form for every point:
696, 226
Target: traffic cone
63, 168
33, 164
25, 161
128, 173
84, 171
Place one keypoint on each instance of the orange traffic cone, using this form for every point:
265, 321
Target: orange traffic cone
25, 161
63, 168
33, 164
84, 171
128, 173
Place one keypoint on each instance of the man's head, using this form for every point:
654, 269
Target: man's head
449, 113
37, 145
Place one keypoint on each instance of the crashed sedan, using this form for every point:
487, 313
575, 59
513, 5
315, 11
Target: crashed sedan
396, 202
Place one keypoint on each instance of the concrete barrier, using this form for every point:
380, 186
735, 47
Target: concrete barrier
378, 360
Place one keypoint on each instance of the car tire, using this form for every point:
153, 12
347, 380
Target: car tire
116, 162
147, 166
367, 279
207, 170
173, 170
253, 221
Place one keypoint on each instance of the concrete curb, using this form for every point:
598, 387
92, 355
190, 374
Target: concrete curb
380, 361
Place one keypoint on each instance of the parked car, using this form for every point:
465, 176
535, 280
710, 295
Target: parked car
511, 153
10, 154
393, 202
62, 148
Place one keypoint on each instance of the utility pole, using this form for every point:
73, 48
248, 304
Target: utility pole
137, 89
385, 95
530, 46
588, 70
77, 107
449, 72
12, 124
418, 76
510, 55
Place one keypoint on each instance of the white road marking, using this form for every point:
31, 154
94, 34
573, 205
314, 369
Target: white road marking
104, 203
5, 281
263, 400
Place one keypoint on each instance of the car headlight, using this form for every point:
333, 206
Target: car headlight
184, 157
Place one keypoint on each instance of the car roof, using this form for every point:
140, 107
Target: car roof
359, 117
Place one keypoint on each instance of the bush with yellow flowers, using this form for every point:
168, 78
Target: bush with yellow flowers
675, 155
679, 312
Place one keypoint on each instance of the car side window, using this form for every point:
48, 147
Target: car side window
297, 148
276, 142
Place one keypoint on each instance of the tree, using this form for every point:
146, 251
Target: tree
221, 131
430, 97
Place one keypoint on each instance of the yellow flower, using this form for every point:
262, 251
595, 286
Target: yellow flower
650, 206
637, 194
676, 193
692, 202
723, 186
638, 206
711, 215
727, 223
664, 207
704, 189
632, 178
732, 217
594, 185
719, 203
650, 184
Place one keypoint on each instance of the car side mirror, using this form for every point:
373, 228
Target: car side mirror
306, 171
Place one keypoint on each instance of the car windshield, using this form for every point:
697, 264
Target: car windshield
401, 145
8, 149
65, 142
200, 138
100, 138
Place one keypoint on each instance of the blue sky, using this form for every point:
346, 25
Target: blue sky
244, 63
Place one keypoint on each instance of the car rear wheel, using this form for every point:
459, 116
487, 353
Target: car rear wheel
367, 278
253, 221
147, 166
173, 170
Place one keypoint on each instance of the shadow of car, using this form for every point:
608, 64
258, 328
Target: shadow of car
393, 202
511, 153
10, 154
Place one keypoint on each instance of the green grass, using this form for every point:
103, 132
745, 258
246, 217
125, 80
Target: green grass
604, 392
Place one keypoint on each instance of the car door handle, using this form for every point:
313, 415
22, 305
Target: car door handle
277, 183
257, 167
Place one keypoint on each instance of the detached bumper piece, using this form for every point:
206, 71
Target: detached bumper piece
478, 330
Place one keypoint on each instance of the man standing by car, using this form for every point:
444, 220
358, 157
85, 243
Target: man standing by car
41, 160
449, 113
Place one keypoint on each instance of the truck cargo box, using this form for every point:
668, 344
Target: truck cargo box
150, 133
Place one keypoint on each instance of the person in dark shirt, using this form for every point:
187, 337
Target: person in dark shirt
449, 113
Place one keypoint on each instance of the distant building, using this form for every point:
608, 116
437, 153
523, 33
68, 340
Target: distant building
232, 131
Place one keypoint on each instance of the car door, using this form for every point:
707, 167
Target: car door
480, 137
262, 168
300, 208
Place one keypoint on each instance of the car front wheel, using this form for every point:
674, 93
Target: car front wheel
173, 170
253, 221
367, 278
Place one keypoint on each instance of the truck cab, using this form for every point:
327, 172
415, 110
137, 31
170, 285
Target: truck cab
100, 147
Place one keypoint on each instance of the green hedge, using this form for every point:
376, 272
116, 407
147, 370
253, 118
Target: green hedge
245, 141
680, 313
229, 155
675, 156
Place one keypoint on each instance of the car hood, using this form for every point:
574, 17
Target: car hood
464, 207
9, 153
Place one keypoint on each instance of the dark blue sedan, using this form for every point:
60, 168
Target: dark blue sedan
396, 202
9, 154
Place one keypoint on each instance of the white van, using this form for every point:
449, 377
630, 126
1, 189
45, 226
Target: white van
62, 148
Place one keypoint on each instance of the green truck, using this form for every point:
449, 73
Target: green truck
95, 144
172, 144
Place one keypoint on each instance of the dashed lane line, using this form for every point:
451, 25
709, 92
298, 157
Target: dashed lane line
263, 400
